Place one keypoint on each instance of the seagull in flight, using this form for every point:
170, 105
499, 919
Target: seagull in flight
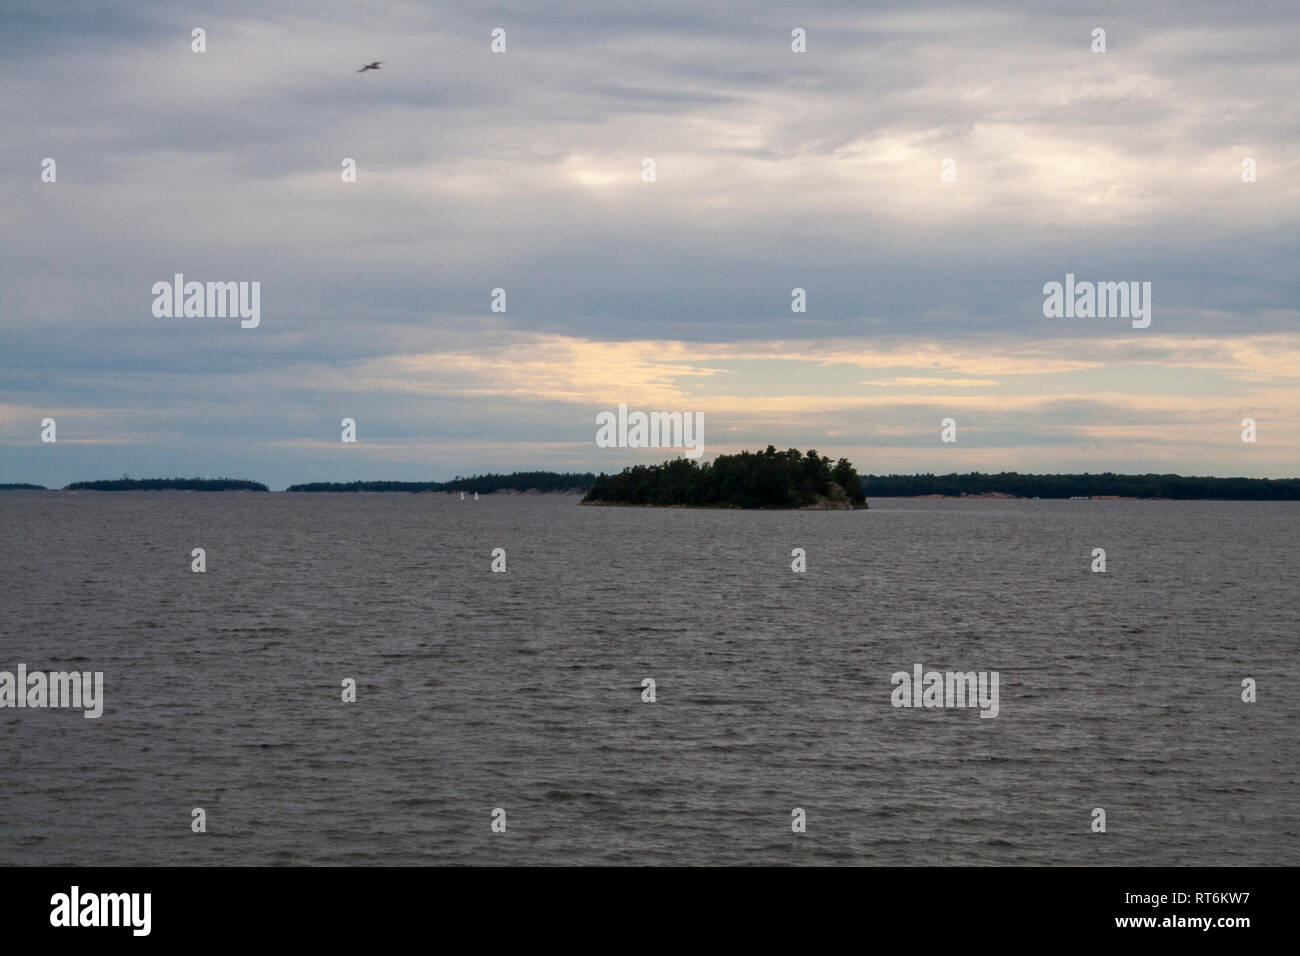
370, 66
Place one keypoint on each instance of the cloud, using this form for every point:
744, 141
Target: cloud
522, 171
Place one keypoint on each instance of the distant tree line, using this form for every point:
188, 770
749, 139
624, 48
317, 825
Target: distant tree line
767, 479
483, 484
161, 484
1068, 486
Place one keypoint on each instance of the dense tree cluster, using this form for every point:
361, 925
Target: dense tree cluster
767, 479
483, 484
1069, 486
160, 484
21, 486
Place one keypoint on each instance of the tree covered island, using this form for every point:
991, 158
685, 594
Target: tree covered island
767, 479
167, 484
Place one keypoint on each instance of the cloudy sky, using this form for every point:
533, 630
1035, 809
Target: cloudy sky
523, 170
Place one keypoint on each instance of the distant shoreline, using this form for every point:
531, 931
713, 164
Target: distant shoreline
1005, 485
534, 493
1004, 495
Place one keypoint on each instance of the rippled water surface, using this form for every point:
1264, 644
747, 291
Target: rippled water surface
522, 690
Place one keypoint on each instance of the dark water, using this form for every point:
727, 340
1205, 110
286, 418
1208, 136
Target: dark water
523, 690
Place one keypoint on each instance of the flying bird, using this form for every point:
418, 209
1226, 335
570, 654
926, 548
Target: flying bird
370, 66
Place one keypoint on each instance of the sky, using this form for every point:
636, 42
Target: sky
921, 171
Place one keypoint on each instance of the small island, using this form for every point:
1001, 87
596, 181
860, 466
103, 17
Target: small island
167, 484
767, 479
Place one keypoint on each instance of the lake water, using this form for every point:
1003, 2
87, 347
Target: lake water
523, 690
